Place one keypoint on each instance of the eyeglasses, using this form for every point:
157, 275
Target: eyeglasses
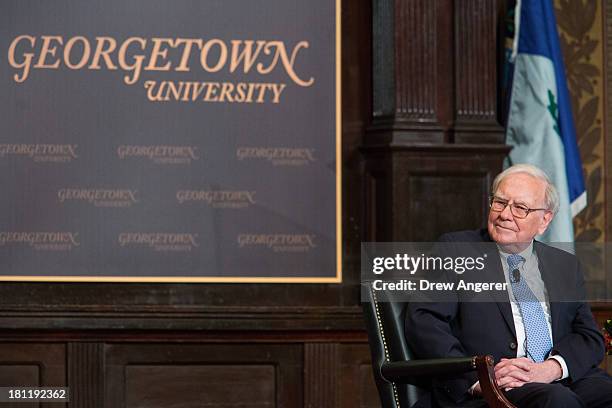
518, 210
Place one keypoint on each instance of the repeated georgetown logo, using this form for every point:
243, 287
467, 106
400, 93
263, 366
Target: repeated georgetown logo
160, 241
217, 198
278, 156
59, 153
159, 154
99, 197
42, 241
278, 242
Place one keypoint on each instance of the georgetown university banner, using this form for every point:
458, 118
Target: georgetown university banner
170, 141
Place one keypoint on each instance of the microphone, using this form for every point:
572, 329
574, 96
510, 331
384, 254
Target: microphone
516, 276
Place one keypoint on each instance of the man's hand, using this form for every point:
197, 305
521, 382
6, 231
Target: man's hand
515, 372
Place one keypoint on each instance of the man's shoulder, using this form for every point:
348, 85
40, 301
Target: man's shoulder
560, 253
480, 235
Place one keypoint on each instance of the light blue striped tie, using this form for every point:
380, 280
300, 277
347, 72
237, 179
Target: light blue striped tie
534, 320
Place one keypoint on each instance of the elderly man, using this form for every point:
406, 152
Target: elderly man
546, 352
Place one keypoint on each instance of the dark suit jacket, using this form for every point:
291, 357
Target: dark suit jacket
458, 329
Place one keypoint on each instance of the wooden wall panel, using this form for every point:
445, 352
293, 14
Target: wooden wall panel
469, 189
26, 374
416, 193
195, 386
356, 387
33, 365
119, 371
193, 375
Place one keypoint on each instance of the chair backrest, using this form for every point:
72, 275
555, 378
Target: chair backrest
385, 326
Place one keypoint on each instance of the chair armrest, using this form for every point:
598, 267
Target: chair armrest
490, 391
405, 371
408, 372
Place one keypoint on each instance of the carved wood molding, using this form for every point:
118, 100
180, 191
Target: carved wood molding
405, 69
86, 375
476, 91
435, 72
321, 373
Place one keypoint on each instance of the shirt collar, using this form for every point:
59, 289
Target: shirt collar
527, 253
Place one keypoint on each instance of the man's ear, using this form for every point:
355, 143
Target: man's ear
546, 219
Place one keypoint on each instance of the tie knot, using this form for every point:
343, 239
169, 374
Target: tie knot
514, 261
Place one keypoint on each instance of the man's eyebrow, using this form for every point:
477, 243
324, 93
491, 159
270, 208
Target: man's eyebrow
516, 202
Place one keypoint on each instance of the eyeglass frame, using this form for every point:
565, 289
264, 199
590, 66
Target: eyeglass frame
507, 203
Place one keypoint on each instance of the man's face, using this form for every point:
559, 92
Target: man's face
504, 228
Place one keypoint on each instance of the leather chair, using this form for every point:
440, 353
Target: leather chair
401, 380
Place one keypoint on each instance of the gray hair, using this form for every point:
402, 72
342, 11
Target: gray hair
551, 196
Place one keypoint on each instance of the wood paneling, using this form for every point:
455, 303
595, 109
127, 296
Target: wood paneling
194, 386
416, 193
435, 143
85, 374
32, 365
120, 372
321, 375
476, 106
195, 375
406, 87
355, 383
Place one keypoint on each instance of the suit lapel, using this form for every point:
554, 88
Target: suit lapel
497, 274
504, 306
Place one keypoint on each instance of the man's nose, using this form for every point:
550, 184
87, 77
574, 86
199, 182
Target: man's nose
506, 213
